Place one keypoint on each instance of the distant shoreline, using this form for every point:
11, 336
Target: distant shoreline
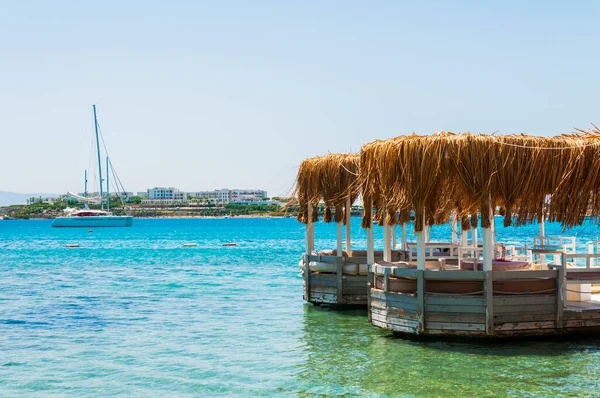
244, 216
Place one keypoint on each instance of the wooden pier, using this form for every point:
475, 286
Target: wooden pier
482, 303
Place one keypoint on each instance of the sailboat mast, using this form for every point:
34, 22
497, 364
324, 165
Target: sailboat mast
85, 183
99, 161
107, 190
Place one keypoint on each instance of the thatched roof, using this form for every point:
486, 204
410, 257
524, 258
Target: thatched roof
331, 178
433, 175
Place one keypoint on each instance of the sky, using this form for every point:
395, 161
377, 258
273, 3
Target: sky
204, 95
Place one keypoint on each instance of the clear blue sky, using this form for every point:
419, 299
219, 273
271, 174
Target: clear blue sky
204, 95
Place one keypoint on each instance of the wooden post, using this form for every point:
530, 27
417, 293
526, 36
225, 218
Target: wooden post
370, 262
310, 232
474, 237
488, 291
370, 245
348, 235
421, 246
542, 224
339, 264
464, 237
488, 244
454, 225
387, 250
339, 239
404, 236
394, 236
420, 300
488, 258
310, 245
561, 294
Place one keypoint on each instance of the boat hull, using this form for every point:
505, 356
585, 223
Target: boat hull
93, 221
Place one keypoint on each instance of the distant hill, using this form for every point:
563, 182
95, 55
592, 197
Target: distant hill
13, 198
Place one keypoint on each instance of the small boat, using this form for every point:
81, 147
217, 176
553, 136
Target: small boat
94, 218
91, 218
72, 245
190, 244
229, 244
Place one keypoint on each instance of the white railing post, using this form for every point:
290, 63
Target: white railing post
421, 264
310, 232
339, 248
348, 235
387, 250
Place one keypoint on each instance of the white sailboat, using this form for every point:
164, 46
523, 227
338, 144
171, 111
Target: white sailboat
93, 218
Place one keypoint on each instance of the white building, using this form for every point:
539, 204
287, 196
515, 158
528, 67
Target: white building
39, 200
247, 195
225, 196
161, 195
216, 196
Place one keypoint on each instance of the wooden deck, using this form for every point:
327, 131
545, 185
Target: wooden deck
337, 288
497, 306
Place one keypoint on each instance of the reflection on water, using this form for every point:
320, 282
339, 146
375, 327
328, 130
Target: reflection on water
345, 355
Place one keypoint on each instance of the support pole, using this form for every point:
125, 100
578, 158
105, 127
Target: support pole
339, 238
464, 237
404, 245
474, 237
370, 262
310, 243
454, 225
394, 237
348, 235
310, 232
421, 245
387, 250
488, 246
370, 245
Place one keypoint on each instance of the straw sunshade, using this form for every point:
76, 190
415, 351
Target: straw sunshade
529, 177
330, 178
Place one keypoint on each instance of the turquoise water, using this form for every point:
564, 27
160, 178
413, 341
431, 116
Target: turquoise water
133, 312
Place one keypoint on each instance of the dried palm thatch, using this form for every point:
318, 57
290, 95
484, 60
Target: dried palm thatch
527, 176
330, 178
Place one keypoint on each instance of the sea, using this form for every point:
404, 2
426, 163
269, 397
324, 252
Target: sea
133, 312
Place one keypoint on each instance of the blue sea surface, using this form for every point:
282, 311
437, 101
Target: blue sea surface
133, 312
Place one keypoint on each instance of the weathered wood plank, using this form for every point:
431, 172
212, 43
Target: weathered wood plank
514, 318
395, 328
383, 317
446, 332
504, 275
569, 314
454, 317
454, 275
395, 312
581, 323
393, 296
434, 299
323, 298
448, 326
323, 280
525, 309
407, 305
524, 299
339, 274
355, 280
466, 309
525, 325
